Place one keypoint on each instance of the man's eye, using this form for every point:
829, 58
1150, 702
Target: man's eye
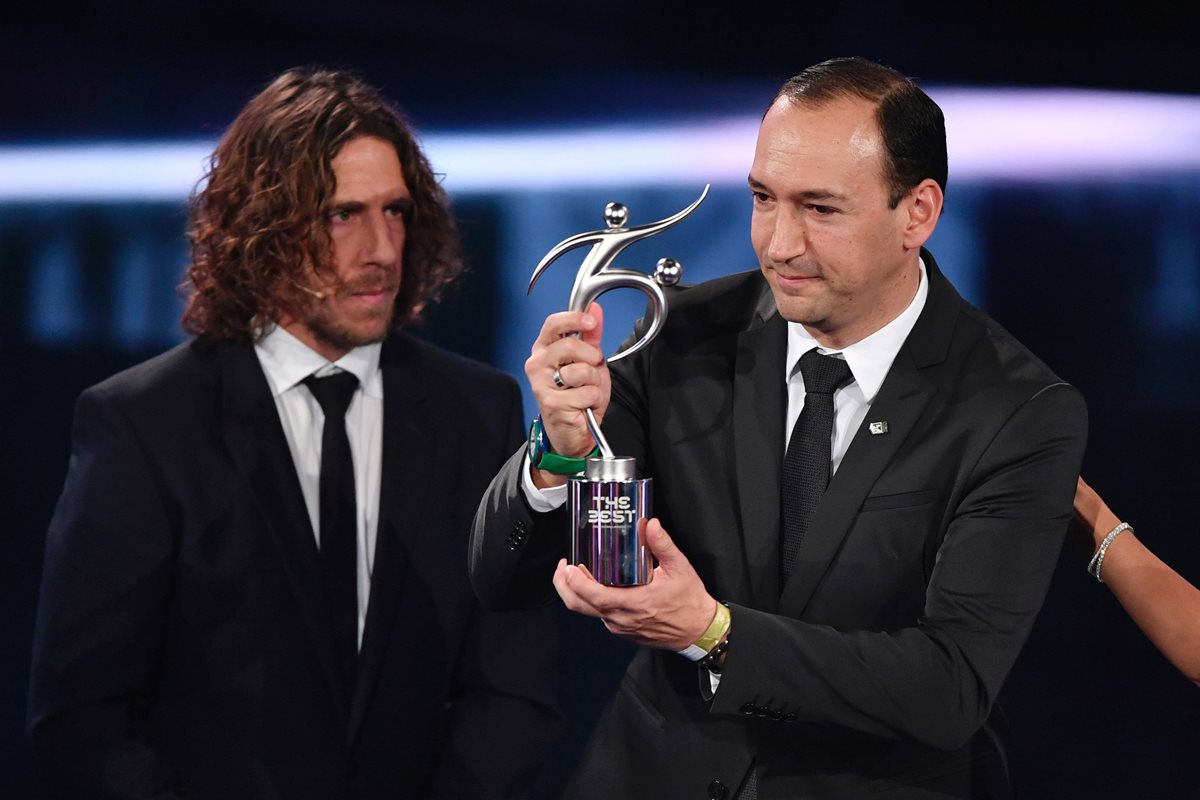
822, 210
760, 197
341, 216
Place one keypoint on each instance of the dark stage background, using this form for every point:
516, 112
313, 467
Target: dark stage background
1098, 273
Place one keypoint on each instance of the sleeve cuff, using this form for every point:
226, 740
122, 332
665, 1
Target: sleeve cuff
541, 500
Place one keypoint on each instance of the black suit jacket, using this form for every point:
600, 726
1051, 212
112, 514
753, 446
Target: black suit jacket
183, 647
875, 668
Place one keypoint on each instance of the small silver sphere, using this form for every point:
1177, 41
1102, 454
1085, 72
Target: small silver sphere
668, 272
615, 215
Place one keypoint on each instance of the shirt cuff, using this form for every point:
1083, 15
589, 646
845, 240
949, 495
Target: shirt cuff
541, 500
694, 653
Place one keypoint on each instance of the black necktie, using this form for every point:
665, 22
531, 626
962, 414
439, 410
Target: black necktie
338, 519
806, 464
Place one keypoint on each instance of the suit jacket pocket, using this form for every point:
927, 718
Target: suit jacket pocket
886, 502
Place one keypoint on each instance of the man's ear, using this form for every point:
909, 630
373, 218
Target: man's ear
923, 204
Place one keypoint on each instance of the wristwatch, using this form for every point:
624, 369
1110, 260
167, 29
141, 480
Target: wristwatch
541, 456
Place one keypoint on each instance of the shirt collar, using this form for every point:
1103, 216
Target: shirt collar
287, 361
869, 358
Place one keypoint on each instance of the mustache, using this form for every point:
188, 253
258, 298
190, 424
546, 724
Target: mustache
369, 283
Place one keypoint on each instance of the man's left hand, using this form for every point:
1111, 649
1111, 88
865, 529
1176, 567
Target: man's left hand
670, 612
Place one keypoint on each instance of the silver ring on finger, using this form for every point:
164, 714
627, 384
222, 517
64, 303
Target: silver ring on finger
558, 380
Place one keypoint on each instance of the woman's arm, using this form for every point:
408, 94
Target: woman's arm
1164, 605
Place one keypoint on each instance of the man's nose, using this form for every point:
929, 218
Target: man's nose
789, 236
385, 239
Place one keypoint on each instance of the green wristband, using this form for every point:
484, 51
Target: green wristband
541, 457
562, 465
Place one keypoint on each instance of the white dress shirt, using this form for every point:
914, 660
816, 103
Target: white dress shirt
286, 362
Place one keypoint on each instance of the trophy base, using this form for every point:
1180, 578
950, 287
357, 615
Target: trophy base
608, 528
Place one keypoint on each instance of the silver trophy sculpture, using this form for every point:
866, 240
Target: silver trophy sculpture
609, 505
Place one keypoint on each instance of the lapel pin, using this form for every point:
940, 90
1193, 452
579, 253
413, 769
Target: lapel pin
878, 428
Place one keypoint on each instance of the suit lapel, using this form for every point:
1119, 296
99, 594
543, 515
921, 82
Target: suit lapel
901, 401
759, 411
410, 431
254, 437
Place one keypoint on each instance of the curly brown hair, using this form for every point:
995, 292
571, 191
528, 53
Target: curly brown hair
257, 220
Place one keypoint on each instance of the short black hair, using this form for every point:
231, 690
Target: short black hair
911, 124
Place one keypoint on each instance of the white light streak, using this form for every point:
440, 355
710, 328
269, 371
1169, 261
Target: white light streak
993, 134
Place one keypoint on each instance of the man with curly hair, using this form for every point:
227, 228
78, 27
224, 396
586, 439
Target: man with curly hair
255, 580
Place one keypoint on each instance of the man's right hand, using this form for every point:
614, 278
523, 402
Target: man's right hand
584, 373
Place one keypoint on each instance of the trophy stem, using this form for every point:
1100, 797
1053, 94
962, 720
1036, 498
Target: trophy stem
598, 435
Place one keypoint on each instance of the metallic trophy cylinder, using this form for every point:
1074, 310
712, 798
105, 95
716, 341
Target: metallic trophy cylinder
609, 507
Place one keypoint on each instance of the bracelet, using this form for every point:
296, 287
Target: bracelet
712, 636
711, 639
540, 455
565, 465
1097, 562
716, 630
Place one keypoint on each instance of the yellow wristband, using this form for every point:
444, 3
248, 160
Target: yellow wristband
716, 630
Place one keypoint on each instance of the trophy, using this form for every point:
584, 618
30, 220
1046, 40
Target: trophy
609, 505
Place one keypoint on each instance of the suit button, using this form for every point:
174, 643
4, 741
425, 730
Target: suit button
763, 711
716, 791
790, 716
516, 537
748, 709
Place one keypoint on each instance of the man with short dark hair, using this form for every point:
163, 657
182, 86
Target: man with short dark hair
865, 480
255, 582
